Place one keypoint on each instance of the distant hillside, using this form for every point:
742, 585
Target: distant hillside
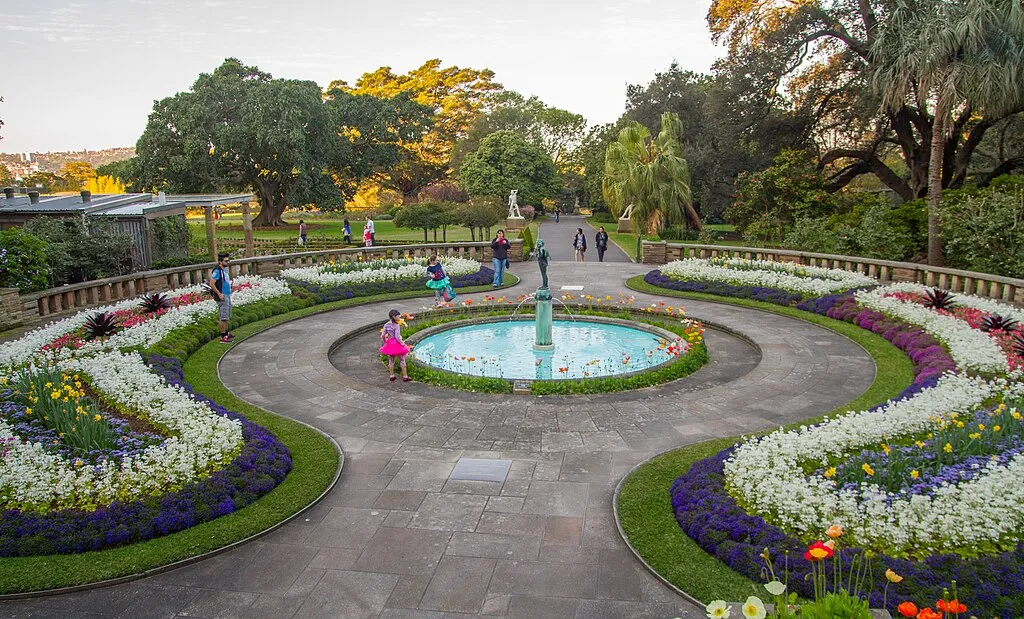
52, 162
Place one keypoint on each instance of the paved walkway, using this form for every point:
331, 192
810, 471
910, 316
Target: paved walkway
399, 538
558, 239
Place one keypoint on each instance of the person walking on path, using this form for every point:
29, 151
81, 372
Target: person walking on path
439, 282
579, 243
346, 232
499, 257
392, 344
220, 284
601, 241
558, 213
302, 232
373, 233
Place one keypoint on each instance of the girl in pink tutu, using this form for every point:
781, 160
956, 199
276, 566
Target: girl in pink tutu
391, 337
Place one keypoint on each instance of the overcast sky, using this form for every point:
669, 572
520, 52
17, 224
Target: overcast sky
84, 74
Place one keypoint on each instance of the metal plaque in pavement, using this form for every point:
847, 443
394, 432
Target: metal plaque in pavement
480, 469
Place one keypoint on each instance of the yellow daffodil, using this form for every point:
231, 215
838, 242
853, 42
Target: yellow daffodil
868, 470
948, 448
914, 474
830, 472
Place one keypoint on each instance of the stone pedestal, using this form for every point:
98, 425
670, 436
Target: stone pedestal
515, 223
543, 320
624, 225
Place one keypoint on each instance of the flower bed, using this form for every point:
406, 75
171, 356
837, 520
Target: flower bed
375, 271
326, 293
929, 483
766, 274
262, 463
62, 495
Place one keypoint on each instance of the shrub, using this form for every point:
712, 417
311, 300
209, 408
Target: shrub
171, 237
985, 233
528, 243
23, 261
76, 252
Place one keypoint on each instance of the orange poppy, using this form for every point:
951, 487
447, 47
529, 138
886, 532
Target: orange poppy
907, 609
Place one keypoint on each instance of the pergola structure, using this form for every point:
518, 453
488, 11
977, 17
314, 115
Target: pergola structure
210, 201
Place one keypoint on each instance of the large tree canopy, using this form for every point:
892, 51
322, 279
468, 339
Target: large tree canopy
239, 128
457, 96
816, 56
506, 161
558, 132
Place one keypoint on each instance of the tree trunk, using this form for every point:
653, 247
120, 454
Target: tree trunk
435, 235
424, 236
935, 187
444, 234
270, 211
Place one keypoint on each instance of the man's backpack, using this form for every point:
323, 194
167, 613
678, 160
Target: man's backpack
217, 281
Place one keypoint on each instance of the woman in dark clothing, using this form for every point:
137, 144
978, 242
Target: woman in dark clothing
580, 244
601, 241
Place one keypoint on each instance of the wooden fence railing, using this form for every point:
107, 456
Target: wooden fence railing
32, 308
966, 282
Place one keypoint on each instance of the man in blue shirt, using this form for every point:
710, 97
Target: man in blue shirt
220, 284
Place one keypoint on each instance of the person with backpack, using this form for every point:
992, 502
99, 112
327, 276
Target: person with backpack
346, 231
302, 232
220, 285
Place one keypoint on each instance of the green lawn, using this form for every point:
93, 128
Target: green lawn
230, 227
644, 504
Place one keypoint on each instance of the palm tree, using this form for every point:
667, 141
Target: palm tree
648, 180
962, 56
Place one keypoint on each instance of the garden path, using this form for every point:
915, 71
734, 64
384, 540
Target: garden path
558, 239
397, 538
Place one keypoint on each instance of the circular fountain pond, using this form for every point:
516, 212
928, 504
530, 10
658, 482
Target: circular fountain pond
585, 348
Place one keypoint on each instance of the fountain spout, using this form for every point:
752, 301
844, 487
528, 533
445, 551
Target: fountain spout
543, 318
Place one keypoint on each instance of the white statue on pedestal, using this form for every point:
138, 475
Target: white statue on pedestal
513, 208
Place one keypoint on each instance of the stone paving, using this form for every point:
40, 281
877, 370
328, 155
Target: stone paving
398, 538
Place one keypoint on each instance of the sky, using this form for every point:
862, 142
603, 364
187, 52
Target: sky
84, 74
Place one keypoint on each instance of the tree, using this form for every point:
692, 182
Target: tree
962, 57
791, 188
47, 181
104, 185
77, 173
455, 95
6, 178
558, 132
443, 191
23, 261
482, 213
649, 179
815, 56
420, 216
240, 129
125, 171
505, 161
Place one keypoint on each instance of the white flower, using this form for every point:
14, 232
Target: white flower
379, 271
782, 275
753, 608
718, 609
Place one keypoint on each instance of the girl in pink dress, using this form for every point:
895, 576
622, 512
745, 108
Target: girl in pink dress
393, 346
